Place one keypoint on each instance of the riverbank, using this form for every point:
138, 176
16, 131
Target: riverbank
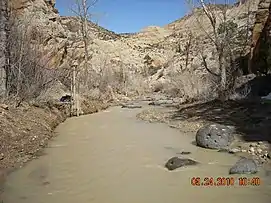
251, 119
27, 129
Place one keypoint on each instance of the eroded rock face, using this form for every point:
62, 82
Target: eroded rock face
24, 6
261, 38
215, 136
61, 40
176, 162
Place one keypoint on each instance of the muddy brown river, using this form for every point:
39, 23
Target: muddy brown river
111, 157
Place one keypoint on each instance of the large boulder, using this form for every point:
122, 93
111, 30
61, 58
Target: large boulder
244, 166
215, 136
176, 162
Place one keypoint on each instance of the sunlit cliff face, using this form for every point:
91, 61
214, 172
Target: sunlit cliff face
19, 6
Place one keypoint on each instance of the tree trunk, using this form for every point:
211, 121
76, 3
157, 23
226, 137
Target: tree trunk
223, 75
85, 39
73, 92
223, 82
3, 46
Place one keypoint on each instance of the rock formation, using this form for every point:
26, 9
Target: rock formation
260, 48
150, 60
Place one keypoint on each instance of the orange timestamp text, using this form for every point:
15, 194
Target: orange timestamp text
225, 181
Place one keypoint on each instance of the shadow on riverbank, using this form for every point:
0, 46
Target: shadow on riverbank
252, 119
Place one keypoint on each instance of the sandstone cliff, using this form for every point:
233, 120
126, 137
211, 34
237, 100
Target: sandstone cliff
260, 49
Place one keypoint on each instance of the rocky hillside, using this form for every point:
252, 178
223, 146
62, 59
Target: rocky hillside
153, 59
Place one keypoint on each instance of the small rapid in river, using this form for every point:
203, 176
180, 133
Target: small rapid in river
111, 157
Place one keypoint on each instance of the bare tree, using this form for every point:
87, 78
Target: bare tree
187, 49
221, 36
29, 71
219, 44
82, 10
3, 45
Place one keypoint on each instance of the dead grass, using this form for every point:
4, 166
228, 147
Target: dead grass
25, 131
192, 86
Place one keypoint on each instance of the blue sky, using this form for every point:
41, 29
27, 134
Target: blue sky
131, 15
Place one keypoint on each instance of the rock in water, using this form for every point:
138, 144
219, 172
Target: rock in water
176, 162
131, 106
185, 153
215, 136
161, 102
244, 166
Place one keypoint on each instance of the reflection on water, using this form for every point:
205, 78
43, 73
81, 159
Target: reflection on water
110, 157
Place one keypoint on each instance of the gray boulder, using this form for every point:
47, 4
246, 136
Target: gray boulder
215, 136
244, 166
176, 162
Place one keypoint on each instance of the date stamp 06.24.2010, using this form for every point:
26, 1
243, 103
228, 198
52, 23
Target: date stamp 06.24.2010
225, 181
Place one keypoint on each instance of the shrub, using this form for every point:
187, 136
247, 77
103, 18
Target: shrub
29, 72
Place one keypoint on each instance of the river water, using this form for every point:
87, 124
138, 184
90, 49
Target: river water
111, 157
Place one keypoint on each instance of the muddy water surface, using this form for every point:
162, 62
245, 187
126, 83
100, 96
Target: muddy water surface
111, 157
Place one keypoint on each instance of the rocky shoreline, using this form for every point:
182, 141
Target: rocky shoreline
223, 138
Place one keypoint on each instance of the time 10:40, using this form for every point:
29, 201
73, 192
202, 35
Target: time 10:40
255, 181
